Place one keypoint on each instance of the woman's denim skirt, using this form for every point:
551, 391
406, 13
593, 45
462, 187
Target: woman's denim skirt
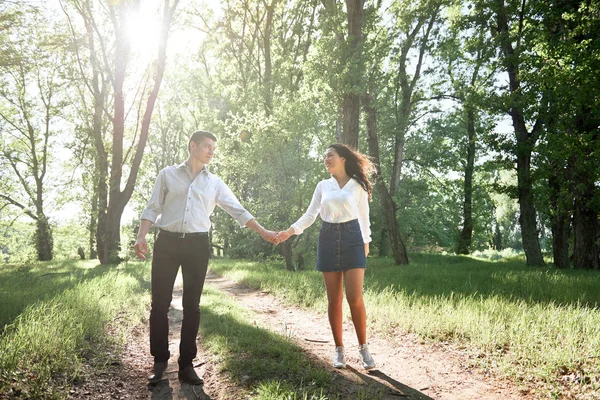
341, 247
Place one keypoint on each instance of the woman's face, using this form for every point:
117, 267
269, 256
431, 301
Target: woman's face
333, 162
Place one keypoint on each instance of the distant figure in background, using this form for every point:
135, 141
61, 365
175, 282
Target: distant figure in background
181, 204
343, 204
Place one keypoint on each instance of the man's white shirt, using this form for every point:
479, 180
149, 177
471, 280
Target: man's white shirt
182, 204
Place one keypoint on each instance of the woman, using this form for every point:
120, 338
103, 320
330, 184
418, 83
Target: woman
343, 204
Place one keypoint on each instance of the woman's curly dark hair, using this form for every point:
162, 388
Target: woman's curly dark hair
358, 166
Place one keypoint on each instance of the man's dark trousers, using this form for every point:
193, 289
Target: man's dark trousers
171, 252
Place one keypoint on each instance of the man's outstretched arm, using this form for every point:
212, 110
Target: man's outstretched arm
269, 236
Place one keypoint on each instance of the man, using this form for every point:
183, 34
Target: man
183, 199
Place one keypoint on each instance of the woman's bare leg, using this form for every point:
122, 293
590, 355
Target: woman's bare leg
335, 296
353, 281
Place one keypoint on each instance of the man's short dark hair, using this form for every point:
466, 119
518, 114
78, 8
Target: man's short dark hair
198, 136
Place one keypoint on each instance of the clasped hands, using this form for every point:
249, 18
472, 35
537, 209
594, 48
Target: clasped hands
276, 237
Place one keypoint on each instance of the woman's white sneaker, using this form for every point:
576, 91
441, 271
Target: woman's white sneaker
338, 357
365, 357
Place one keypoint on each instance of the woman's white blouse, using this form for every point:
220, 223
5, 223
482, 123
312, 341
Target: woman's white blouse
335, 205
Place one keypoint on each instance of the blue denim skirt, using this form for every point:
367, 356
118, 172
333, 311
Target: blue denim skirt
341, 247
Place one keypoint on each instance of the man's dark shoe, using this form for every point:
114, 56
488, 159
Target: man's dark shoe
188, 375
157, 371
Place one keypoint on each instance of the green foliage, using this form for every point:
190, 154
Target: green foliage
16, 242
271, 94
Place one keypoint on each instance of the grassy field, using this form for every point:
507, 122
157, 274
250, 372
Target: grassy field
536, 326
56, 315
539, 326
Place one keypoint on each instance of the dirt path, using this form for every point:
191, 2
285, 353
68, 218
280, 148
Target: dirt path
406, 369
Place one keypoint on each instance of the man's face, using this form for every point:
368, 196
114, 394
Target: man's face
204, 150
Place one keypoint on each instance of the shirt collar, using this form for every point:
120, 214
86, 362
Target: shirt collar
184, 165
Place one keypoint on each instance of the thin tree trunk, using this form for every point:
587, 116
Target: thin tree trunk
497, 241
389, 208
405, 88
561, 227
93, 227
464, 240
286, 251
268, 67
527, 217
561, 215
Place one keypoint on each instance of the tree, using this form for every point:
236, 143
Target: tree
32, 96
412, 32
511, 30
347, 41
109, 59
465, 59
570, 50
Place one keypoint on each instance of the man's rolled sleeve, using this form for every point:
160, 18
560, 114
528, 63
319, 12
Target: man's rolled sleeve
155, 205
228, 202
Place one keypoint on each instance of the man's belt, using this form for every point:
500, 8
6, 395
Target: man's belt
182, 235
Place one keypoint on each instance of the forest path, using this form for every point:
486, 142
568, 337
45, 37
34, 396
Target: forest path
407, 368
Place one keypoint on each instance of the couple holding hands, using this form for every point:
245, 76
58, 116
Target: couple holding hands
182, 201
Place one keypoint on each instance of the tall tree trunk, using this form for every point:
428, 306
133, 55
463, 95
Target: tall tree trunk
384, 244
389, 208
464, 240
586, 234
405, 88
118, 198
43, 238
267, 79
561, 229
351, 96
93, 227
527, 217
525, 141
561, 213
497, 241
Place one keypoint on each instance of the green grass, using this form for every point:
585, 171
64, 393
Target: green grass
530, 324
58, 314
